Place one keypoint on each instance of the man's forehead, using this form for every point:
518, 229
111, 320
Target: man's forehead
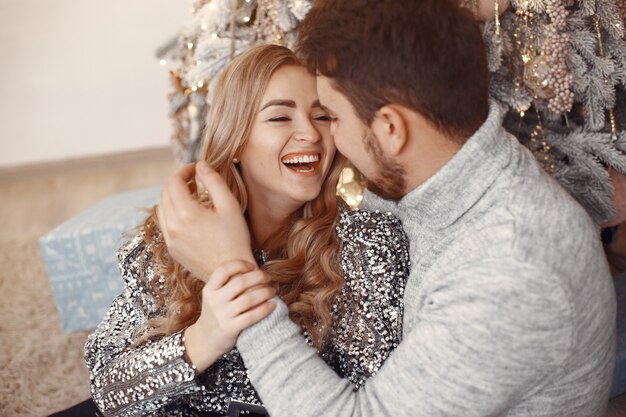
323, 82
327, 92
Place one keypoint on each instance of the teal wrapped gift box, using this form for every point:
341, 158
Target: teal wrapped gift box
81, 256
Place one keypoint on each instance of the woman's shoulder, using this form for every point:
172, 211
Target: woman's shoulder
373, 244
132, 241
135, 257
363, 226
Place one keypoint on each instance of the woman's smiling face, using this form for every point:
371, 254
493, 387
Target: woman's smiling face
289, 151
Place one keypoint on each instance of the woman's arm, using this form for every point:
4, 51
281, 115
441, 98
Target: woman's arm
367, 315
135, 380
127, 380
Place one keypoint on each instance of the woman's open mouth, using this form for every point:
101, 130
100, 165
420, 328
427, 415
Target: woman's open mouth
302, 163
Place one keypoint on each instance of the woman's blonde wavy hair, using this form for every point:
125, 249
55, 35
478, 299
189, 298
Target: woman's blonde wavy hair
305, 264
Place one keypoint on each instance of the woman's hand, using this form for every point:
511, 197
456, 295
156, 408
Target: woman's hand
236, 296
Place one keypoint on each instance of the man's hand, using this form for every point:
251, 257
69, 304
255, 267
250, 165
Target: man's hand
198, 237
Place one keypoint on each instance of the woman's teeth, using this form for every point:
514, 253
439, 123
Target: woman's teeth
302, 163
301, 159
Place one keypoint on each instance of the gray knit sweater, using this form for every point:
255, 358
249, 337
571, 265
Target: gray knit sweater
509, 307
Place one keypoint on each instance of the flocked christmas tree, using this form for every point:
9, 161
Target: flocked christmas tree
558, 66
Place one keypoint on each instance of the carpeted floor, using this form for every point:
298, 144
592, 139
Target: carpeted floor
41, 368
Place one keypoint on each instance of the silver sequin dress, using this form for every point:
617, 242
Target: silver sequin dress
155, 379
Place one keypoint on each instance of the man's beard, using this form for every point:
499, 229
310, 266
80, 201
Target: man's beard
389, 181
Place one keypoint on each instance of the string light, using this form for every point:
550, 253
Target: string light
497, 16
612, 121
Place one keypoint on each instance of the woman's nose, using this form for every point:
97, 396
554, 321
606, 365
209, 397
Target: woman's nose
307, 131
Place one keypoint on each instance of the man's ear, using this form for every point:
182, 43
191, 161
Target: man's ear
390, 127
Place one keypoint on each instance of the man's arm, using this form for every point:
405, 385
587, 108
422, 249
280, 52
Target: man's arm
482, 342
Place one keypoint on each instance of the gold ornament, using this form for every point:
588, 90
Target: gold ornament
536, 71
177, 81
350, 186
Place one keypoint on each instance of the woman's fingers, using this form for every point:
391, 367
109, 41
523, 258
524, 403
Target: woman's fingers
254, 315
236, 296
225, 271
241, 283
251, 299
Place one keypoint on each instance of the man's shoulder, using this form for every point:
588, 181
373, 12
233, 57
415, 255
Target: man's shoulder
533, 208
527, 217
529, 192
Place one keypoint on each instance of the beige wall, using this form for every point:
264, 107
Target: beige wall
80, 78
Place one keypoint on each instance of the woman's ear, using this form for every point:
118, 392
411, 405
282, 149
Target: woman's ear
390, 127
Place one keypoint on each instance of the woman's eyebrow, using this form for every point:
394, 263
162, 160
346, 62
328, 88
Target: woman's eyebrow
279, 102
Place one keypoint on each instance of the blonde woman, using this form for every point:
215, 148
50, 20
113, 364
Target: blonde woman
166, 347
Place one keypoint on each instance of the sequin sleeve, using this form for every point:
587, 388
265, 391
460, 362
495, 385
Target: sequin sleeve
129, 380
368, 312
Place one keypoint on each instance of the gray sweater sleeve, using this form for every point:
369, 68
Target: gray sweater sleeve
487, 335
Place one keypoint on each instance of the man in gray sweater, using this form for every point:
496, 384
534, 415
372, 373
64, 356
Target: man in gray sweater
509, 307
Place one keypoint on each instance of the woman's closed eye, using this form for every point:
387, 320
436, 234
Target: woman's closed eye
322, 118
280, 119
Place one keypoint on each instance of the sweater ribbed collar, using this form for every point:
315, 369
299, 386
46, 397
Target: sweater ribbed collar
459, 184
